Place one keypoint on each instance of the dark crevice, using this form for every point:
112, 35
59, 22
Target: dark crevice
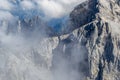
118, 66
100, 73
101, 69
107, 27
108, 50
100, 28
89, 30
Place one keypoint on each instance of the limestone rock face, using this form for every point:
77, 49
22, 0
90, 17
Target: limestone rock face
96, 28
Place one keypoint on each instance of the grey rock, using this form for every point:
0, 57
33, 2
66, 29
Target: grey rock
89, 49
96, 28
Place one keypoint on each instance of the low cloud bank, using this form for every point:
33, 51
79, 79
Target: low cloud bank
24, 58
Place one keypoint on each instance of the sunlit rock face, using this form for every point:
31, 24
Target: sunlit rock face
98, 30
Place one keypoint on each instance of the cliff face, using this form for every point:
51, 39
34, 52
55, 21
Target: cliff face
97, 26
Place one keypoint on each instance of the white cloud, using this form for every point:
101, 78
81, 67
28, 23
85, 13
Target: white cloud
57, 8
27, 4
70, 1
5, 5
5, 15
50, 8
19, 52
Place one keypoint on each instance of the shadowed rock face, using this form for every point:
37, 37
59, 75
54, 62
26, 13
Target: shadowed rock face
84, 13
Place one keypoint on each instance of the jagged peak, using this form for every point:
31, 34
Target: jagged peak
109, 9
95, 9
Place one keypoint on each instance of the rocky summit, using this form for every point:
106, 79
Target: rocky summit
95, 33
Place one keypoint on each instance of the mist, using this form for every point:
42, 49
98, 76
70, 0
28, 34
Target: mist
27, 52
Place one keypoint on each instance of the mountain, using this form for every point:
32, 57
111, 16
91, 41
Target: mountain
87, 48
95, 38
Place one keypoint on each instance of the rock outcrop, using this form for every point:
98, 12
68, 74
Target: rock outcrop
96, 26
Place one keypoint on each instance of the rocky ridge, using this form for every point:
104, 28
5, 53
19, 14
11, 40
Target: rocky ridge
96, 24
